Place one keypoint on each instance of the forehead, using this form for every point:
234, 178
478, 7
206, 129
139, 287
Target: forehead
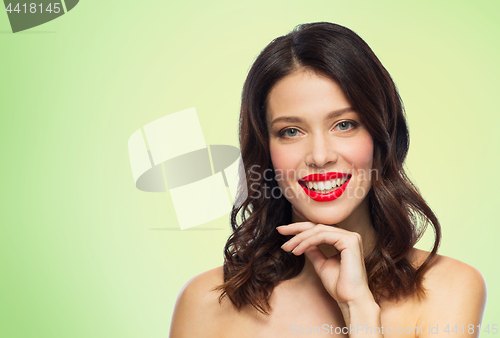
306, 94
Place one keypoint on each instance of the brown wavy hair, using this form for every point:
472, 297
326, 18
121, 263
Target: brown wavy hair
253, 260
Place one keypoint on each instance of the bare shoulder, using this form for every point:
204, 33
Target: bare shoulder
455, 291
445, 273
197, 306
200, 288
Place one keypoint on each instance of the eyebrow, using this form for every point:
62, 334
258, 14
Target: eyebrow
296, 119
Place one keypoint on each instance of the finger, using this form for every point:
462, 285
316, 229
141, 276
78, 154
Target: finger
300, 236
295, 228
308, 232
316, 257
340, 242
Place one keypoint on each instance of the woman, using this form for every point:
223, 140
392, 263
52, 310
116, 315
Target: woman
323, 244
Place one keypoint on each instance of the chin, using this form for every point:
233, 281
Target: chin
327, 217
327, 220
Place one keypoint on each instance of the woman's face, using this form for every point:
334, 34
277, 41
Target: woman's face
321, 153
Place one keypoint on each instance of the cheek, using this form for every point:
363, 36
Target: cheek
359, 153
284, 162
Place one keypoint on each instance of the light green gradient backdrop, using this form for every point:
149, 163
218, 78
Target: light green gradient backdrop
85, 254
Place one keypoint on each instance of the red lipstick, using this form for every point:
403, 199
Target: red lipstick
325, 177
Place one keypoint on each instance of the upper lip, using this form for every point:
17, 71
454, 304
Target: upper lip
323, 177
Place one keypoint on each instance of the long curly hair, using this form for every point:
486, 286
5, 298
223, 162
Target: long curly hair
253, 261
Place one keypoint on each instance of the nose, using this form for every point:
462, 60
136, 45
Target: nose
321, 151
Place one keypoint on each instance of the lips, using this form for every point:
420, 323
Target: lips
325, 187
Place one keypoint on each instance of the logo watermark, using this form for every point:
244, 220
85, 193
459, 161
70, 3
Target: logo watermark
354, 329
260, 182
203, 181
25, 15
400, 330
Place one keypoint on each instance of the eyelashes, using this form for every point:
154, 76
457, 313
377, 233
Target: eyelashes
344, 124
289, 132
342, 127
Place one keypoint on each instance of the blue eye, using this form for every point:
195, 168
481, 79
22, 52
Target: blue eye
291, 132
346, 125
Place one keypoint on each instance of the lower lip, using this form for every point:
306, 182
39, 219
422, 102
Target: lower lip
333, 195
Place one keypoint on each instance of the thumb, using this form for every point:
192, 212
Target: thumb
316, 257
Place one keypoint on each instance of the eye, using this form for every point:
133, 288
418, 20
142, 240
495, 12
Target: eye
290, 132
346, 125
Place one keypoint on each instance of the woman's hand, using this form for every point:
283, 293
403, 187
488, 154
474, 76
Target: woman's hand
344, 274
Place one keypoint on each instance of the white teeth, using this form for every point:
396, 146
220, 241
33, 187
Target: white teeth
326, 186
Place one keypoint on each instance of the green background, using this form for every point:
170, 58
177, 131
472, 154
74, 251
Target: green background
83, 253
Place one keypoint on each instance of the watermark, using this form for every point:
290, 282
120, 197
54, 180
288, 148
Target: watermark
25, 15
415, 330
260, 182
211, 179
354, 329
203, 181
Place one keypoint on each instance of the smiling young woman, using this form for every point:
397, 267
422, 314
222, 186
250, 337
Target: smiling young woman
333, 253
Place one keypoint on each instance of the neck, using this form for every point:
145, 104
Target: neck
359, 221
